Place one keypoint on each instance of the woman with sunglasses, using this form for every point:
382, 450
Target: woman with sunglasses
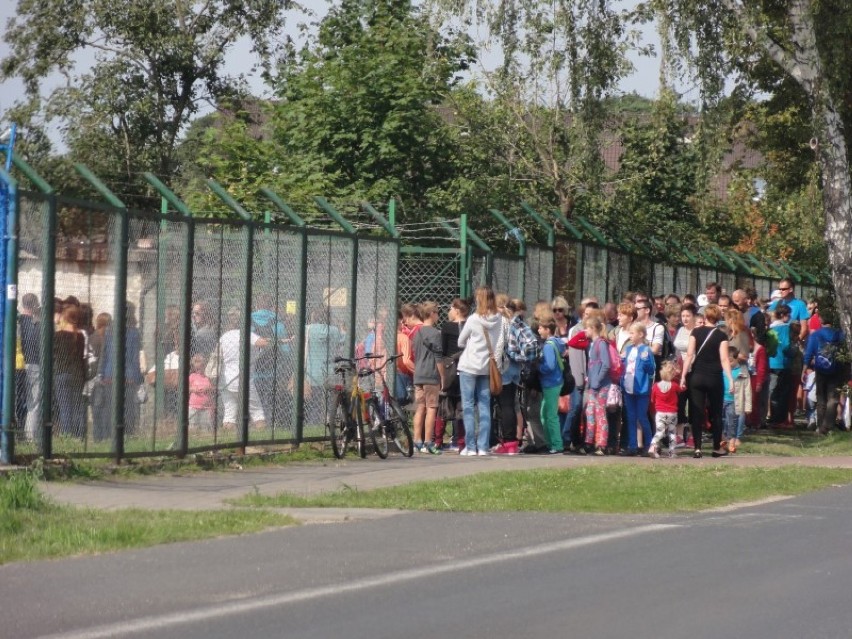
561, 316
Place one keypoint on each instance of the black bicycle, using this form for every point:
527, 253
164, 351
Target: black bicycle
393, 425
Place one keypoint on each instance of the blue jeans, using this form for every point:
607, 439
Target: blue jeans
571, 419
476, 396
637, 411
729, 415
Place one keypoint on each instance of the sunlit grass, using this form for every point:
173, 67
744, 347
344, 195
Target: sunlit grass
637, 488
32, 527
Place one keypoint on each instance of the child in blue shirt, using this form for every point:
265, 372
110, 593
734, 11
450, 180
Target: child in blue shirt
737, 400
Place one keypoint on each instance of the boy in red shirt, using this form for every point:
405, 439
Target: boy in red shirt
664, 403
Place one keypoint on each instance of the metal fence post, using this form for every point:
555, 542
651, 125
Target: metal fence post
10, 318
245, 343
353, 290
119, 325
301, 310
464, 269
186, 318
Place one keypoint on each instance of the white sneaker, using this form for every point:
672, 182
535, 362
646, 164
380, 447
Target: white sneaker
467, 452
483, 453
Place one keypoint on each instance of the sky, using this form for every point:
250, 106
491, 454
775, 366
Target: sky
644, 81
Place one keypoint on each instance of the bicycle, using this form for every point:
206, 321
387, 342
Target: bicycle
393, 425
356, 406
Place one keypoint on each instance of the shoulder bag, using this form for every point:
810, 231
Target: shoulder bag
495, 378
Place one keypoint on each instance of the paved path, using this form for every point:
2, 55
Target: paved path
204, 490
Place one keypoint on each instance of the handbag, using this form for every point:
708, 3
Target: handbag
613, 398
451, 374
495, 377
706, 339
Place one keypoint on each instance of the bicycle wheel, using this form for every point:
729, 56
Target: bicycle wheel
339, 429
360, 437
399, 431
378, 431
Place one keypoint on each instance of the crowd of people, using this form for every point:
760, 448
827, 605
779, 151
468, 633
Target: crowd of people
643, 376
83, 367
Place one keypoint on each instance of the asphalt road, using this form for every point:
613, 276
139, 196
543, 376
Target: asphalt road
778, 570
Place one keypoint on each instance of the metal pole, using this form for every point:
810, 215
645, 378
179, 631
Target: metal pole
7, 440
119, 324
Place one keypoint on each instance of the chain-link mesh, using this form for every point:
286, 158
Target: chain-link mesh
507, 275
619, 276
33, 254
538, 282
594, 272
687, 280
664, 279
77, 395
218, 301
328, 333
728, 281
705, 277
276, 285
429, 277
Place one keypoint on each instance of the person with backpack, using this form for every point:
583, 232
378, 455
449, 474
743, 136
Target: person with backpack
551, 376
636, 381
779, 348
654, 331
597, 385
521, 347
821, 356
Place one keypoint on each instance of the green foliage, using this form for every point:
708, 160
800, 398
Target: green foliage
18, 491
157, 62
656, 184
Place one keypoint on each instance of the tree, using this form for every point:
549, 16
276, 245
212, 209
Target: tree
357, 115
157, 63
562, 59
737, 35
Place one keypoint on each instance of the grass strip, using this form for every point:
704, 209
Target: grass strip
639, 488
32, 528
798, 443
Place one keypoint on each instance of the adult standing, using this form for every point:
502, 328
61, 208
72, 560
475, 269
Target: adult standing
508, 398
755, 320
132, 367
452, 407
707, 358
688, 313
482, 334
204, 337
577, 360
230, 347
323, 341
654, 331
30, 331
824, 345
69, 370
798, 308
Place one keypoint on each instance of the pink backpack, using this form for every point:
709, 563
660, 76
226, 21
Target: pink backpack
616, 366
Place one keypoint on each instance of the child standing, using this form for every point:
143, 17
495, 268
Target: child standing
664, 401
636, 382
550, 376
428, 378
737, 401
200, 394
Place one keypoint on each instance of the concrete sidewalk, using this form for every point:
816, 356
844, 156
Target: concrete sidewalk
205, 490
